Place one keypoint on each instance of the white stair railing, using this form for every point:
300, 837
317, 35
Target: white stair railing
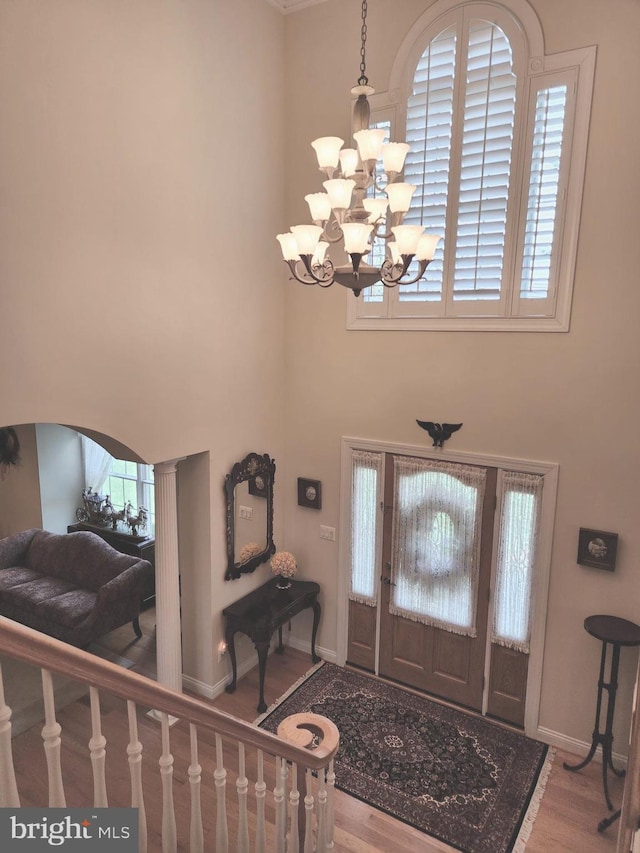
302, 750
8, 787
52, 743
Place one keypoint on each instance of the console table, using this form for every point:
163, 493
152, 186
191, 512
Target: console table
258, 615
136, 546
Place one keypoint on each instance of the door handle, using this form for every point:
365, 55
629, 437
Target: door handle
387, 581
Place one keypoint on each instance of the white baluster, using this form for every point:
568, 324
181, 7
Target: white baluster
134, 751
308, 808
52, 743
195, 777
260, 789
294, 804
169, 837
220, 776
278, 799
97, 745
321, 840
9, 797
331, 786
242, 785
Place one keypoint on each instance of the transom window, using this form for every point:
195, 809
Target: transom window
498, 135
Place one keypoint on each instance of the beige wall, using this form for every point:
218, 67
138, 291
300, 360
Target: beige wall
143, 147
566, 398
141, 152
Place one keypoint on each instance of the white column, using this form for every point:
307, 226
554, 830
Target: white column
168, 636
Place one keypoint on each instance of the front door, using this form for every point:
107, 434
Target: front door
437, 544
422, 551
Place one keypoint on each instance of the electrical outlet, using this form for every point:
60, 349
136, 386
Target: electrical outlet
222, 650
328, 533
246, 512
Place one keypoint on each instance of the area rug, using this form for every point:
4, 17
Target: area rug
23, 688
457, 777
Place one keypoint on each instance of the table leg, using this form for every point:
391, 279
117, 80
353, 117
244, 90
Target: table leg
231, 647
604, 738
596, 737
316, 621
263, 651
612, 688
280, 646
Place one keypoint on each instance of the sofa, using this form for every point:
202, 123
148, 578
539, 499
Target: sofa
72, 586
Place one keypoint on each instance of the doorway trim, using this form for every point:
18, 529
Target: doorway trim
540, 590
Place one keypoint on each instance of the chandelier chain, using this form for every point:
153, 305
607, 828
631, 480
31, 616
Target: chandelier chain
363, 80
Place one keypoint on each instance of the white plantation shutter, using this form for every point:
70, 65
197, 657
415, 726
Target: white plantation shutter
485, 164
542, 204
429, 128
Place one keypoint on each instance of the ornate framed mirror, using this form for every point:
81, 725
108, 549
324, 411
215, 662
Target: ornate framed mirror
249, 500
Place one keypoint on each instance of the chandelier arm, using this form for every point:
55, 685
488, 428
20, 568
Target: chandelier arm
376, 235
391, 280
332, 225
324, 281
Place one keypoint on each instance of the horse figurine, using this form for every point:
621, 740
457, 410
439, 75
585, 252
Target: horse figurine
138, 521
121, 515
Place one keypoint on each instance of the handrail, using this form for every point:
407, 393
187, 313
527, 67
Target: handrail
33, 647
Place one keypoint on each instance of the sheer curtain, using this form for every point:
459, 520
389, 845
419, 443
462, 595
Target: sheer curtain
366, 471
96, 462
436, 542
519, 521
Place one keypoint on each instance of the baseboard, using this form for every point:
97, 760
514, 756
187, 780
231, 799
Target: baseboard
576, 747
305, 646
212, 691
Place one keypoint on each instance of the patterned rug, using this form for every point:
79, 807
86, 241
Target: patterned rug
457, 777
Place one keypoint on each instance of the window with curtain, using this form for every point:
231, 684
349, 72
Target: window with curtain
498, 144
366, 475
517, 545
437, 517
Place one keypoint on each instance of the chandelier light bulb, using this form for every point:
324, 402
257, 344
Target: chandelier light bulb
407, 237
396, 260
400, 197
319, 206
307, 238
339, 190
327, 150
427, 247
349, 161
375, 207
356, 238
289, 246
393, 156
370, 143
319, 254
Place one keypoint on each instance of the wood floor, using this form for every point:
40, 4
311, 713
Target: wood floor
570, 811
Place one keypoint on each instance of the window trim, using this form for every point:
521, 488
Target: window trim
577, 68
540, 591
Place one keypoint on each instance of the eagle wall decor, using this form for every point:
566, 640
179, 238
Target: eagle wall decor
439, 432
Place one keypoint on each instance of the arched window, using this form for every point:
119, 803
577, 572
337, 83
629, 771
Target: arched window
498, 135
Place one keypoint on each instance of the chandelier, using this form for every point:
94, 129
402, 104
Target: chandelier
362, 203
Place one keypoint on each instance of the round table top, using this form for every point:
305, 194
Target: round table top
613, 629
